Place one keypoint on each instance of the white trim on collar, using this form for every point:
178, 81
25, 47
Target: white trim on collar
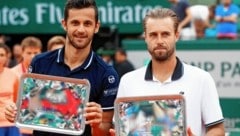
90, 61
59, 53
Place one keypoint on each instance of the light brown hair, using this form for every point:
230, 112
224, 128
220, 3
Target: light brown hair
31, 42
160, 13
5, 47
54, 41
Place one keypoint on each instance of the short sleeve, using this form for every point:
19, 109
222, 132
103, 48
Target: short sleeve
211, 110
110, 87
121, 90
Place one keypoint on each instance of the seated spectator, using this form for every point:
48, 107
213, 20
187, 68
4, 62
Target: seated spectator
211, 31
9, 59
226, 17
2, 38
201, 16
181, 8
199, 21
16, 54
122, 65
106, 55
55, 42
199, 27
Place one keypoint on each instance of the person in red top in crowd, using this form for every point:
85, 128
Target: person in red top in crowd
8, 84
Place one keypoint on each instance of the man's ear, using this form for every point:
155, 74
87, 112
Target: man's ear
64, 24
177, 35
144, 35
97, 26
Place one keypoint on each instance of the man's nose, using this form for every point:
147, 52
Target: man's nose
159, 39
81, 28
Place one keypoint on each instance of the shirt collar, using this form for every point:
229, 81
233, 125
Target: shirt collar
177, 74
85, 65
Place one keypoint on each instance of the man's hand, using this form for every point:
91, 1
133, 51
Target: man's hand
216, 130
189, 132
112, 132
10, 112
93, 114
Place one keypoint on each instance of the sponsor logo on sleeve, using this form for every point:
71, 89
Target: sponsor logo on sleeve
111, 79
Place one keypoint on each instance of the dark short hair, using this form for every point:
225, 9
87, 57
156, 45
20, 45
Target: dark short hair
162, 13
80, 4
121, 51
5, 47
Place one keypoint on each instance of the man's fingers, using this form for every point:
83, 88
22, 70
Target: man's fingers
189, 132
10, 112
112, 132
93, 117
93, 109
10, 116
93, 114
94, 121
93, 104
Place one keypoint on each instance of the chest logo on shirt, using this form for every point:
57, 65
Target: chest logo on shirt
111, 79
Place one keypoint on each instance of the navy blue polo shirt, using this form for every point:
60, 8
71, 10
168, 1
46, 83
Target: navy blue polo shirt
103, 78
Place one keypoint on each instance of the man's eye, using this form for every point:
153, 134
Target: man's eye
153, 35
87, 23
75, 23
165, 34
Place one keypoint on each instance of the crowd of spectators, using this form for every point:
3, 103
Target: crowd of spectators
196, 21
15, 62
202, 21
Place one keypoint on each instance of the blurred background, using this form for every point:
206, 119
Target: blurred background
121, 27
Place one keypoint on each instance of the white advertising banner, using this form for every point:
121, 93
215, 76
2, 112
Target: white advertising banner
223, 65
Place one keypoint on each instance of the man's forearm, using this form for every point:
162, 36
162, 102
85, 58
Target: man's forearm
230, 19
216, 130
102, 129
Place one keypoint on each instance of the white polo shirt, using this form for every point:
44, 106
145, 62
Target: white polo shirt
197, 86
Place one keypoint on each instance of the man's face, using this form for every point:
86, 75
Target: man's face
3, 57
226, 2
172, 1
29, 53
17, 50
2, 39
160, 38
80, 27
118, 57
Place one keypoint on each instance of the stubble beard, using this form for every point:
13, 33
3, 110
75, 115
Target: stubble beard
76, 45
161, 56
